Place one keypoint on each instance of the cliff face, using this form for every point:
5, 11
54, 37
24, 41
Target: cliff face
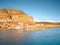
13, 15
16, 19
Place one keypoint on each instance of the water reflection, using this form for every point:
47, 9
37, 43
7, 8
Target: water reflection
12, 36
50, 36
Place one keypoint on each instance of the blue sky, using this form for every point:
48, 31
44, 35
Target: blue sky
40, 10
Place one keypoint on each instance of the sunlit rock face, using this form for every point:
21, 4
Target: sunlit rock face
4, 17
16, 19
14, 15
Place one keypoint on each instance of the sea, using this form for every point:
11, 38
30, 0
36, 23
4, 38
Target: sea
48, 36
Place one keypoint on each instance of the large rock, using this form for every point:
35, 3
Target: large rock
13, 15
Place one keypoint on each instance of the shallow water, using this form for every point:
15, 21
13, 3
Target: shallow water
49, 36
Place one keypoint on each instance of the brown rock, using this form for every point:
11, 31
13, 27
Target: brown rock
13, 15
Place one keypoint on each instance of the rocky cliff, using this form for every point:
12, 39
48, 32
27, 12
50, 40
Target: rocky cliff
14, 15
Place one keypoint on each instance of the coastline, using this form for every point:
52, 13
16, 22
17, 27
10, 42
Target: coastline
28, 27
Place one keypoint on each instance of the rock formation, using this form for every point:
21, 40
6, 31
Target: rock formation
16, 19
13, 15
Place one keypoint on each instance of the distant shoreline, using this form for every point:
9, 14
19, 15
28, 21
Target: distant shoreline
36, 26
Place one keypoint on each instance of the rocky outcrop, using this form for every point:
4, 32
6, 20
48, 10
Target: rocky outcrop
14, 15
